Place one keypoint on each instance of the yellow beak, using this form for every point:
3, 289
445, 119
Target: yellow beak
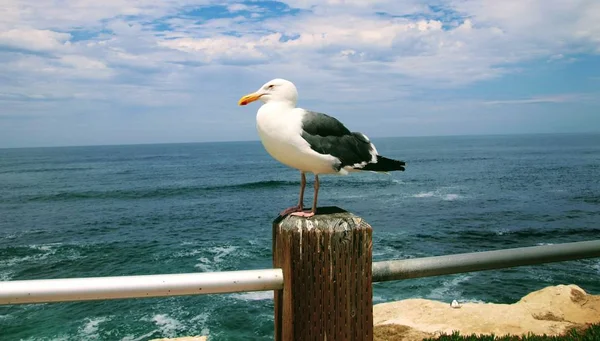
249, 98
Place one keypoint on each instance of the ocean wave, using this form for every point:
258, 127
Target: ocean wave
438, 195
589, 199
449, 290
25, 256
141, 337
423, 195
522, 234
217, 255
37, 254
167, 326
89, 331
378, 299
147, 193
177, 191
254, 296
6, 275
45, 170
6, 317
201, 320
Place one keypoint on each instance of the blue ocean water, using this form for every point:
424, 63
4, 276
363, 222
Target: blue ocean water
176, 208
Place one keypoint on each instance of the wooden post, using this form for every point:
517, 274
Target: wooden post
326, 262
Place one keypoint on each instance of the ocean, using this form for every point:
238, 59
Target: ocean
180, 208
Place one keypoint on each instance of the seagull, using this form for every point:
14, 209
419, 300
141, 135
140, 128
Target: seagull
309, 141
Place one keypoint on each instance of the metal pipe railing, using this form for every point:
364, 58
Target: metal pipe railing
105, 288
478, 261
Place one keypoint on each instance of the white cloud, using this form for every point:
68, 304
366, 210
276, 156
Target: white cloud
486, 43
342, 54
34, 39
67, 14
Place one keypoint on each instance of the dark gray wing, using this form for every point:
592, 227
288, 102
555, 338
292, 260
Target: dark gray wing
327, 135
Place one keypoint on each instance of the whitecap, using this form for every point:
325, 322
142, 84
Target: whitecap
449, 289
254, 296
139, 338
35, 258
44, 247
6, 275
90, 329
187, 253
168, 326
472, 300
201, 320
451, 197
222, 252
378, 299
596, 267
219, 254
204, 267
424, 195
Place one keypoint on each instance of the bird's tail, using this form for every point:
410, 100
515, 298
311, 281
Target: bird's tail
384, 164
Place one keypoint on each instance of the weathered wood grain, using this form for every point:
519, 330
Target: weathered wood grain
326, 262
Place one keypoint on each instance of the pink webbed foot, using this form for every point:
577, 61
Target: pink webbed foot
304, 214
292, 209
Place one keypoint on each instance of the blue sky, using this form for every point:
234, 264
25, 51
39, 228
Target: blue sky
85, 72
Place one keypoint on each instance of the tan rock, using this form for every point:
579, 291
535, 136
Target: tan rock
186, 338
551, 311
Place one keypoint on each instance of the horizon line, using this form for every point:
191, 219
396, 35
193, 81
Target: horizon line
257, 140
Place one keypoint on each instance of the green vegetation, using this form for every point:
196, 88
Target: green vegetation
592, 333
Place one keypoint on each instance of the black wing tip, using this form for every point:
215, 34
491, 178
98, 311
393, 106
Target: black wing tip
385, 164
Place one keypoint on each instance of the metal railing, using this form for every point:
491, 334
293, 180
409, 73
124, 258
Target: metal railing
104, 288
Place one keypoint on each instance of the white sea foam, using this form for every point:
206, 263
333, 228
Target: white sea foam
378, 299
451, 196
471, 300
449, 289
219, 253
90, 330
424, 195
437, 194
596, 267
254, 296
168, 326
41, 254
47, 251
222, 251
187, 253
44, 247
6, 275
139, 338
201, 320
204, 265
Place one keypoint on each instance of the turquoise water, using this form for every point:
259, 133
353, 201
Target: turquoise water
176, 208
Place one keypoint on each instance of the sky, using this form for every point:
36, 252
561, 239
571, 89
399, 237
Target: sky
89, 72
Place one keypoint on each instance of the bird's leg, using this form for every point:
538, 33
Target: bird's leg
313, 211
300, 205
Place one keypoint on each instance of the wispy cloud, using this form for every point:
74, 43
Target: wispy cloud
561, 98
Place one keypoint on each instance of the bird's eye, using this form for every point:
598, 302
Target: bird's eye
270, 86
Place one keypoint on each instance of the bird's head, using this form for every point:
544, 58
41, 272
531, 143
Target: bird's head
276, 90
